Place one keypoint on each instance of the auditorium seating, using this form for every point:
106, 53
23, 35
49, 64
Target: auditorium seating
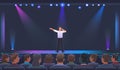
84, 68
35, 68
75, 68
13, 68
108, 68
59, 68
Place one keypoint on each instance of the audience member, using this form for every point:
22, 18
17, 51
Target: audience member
105, 60
60, 62
83, 59
27, 60
71, 59
93, 58
48, 61
5, 60
114, 59
37, 60
15, 60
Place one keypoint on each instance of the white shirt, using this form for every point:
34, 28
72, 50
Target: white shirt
59, 33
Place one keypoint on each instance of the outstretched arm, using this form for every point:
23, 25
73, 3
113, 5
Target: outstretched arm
53, 29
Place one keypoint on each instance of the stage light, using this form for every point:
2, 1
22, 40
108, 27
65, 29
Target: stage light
68, 5
26, 4
56, 4
20, 4
15, 4
38, 6
98, 5
32, 5
103, 4
93, 4
79, 7
51, 4
62, 4
86, 5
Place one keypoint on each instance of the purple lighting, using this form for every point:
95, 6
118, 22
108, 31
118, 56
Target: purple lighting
62, 18
3, 31
23, 16
38, 6
107, 41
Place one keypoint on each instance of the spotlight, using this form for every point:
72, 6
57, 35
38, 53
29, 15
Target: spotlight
93, 4
15, 4
26, 4
62, 4
56, 4
86, 5
38, 6
68, 5
20, 4
51, 4
103, 4
32, 5
79, 7
98, 4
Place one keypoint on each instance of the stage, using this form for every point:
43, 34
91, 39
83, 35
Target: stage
99, 52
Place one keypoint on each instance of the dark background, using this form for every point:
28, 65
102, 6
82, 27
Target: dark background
39, 37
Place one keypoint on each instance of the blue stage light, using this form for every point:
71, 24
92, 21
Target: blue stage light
68, 5
38, 6
103, 4
26, 4
62, 4
20, 4
56, 4
51, 4
79, 7
86, 5
98, 5
93, 4
15, 4
32, 4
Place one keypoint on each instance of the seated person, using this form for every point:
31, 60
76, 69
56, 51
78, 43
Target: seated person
60, 62
27, 60
48, 61
105, 60
14, 60
114, 59
71, 59
5, 60
93, 58
83, 59
37, 60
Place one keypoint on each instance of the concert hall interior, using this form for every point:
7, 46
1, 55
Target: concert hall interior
63, 27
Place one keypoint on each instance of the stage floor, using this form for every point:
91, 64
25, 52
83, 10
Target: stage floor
65, 52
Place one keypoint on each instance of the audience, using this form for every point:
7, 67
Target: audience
60, 58
48, 61
93, 58
37, 60
5, 60
105, 60
71, 59
27, 60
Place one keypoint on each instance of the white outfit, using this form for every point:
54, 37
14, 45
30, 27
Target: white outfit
59, 33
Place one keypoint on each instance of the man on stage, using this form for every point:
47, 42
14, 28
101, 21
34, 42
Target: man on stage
59, 32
